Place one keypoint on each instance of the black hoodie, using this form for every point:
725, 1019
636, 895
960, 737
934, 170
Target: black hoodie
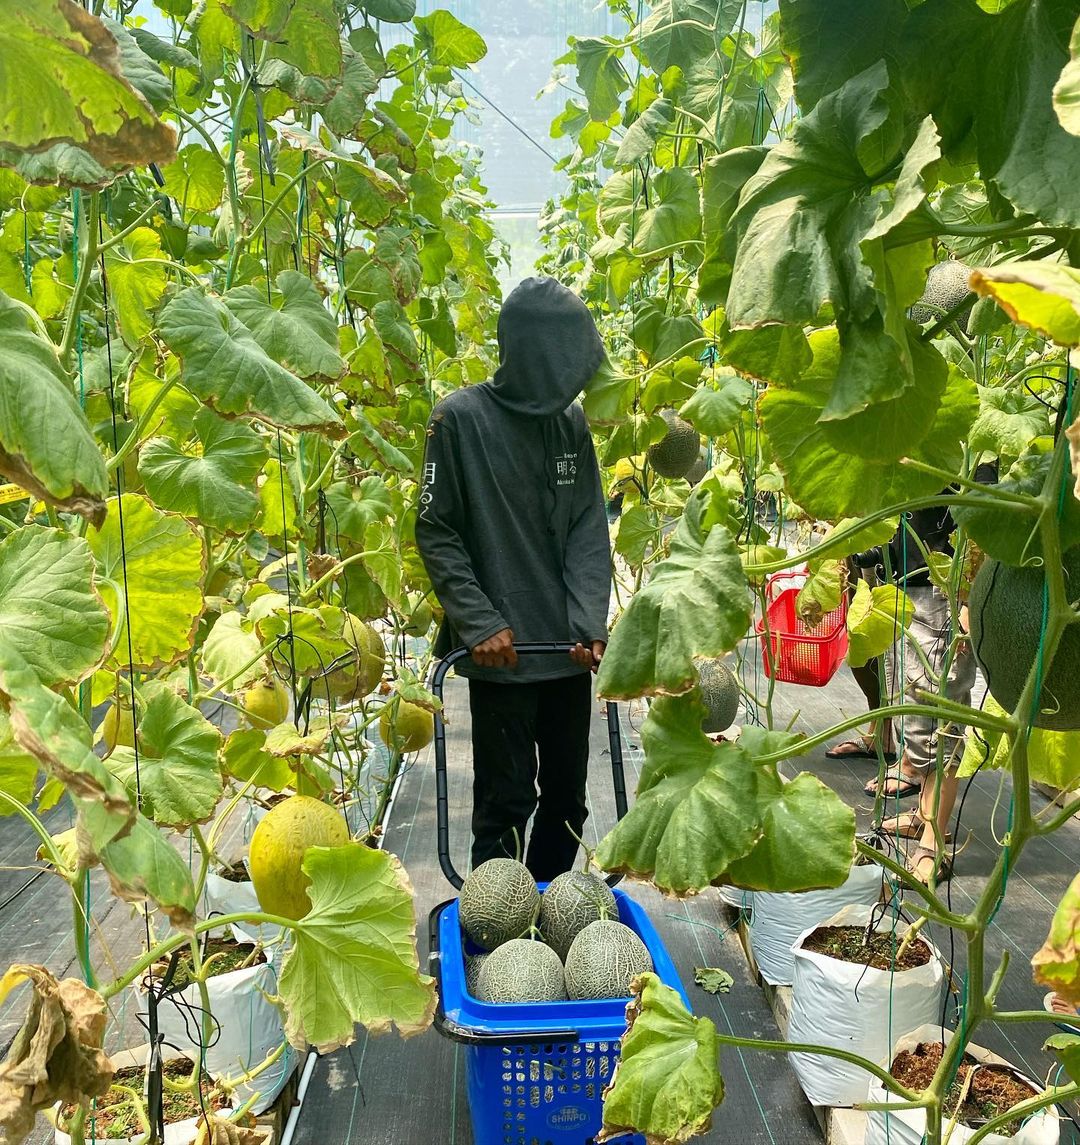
511, 525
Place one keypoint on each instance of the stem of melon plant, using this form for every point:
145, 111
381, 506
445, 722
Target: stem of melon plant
886, 1079
168, 945
88, 257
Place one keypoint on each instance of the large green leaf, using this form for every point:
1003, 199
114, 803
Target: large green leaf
351, 508
795, 827
1057, 964
211, 479
18, 768
678, 32
230, 653
601, 75
673, 217
151, 580
695, 604
717, 405
829, 41
79, 95
293, 327
354, 956
667, 1082
196, 180
642, 134
176, 776
448, 41
1015, 125
802, 214
143, 864
137, 281
877, 619
849, 468
702, 807
45, 442
139, 861
50, 613
1053, 757
393, 11
310, 42
1009, 420
224, 365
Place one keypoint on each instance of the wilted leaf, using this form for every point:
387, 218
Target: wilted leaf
667, 1082
713, 980
1057, 964
57, 1054
79, 95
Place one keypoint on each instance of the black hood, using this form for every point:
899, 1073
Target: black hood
549, 348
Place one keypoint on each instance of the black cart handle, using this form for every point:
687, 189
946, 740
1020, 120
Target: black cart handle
442, 806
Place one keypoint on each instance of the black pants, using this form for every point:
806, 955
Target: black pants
513, 725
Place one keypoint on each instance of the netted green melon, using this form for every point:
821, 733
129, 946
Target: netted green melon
521, 970
473, 963
720, 693
569, 903
1006, 611
675, 453
603, 960
946, 287
499, 901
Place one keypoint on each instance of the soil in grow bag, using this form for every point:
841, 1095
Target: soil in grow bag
114, 1117
993, 1090
848, 944
226, 955
236, 873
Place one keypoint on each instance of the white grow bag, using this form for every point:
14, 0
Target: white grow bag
223, 896
250, 1030
907, 1126
855, 1008
779, 919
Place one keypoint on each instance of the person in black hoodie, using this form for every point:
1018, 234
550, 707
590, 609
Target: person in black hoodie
513, 533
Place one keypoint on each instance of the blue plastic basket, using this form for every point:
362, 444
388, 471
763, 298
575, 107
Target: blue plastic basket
535, 1072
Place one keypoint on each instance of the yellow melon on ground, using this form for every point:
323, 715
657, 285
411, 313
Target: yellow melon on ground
278, 847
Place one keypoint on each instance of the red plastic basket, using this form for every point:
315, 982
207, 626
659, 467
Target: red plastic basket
800, 654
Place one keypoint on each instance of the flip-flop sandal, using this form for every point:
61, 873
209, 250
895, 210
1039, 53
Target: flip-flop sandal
860, 751
919, 856
904, 789
1049, 1008
908, 825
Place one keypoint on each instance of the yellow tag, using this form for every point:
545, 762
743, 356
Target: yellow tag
9, 493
